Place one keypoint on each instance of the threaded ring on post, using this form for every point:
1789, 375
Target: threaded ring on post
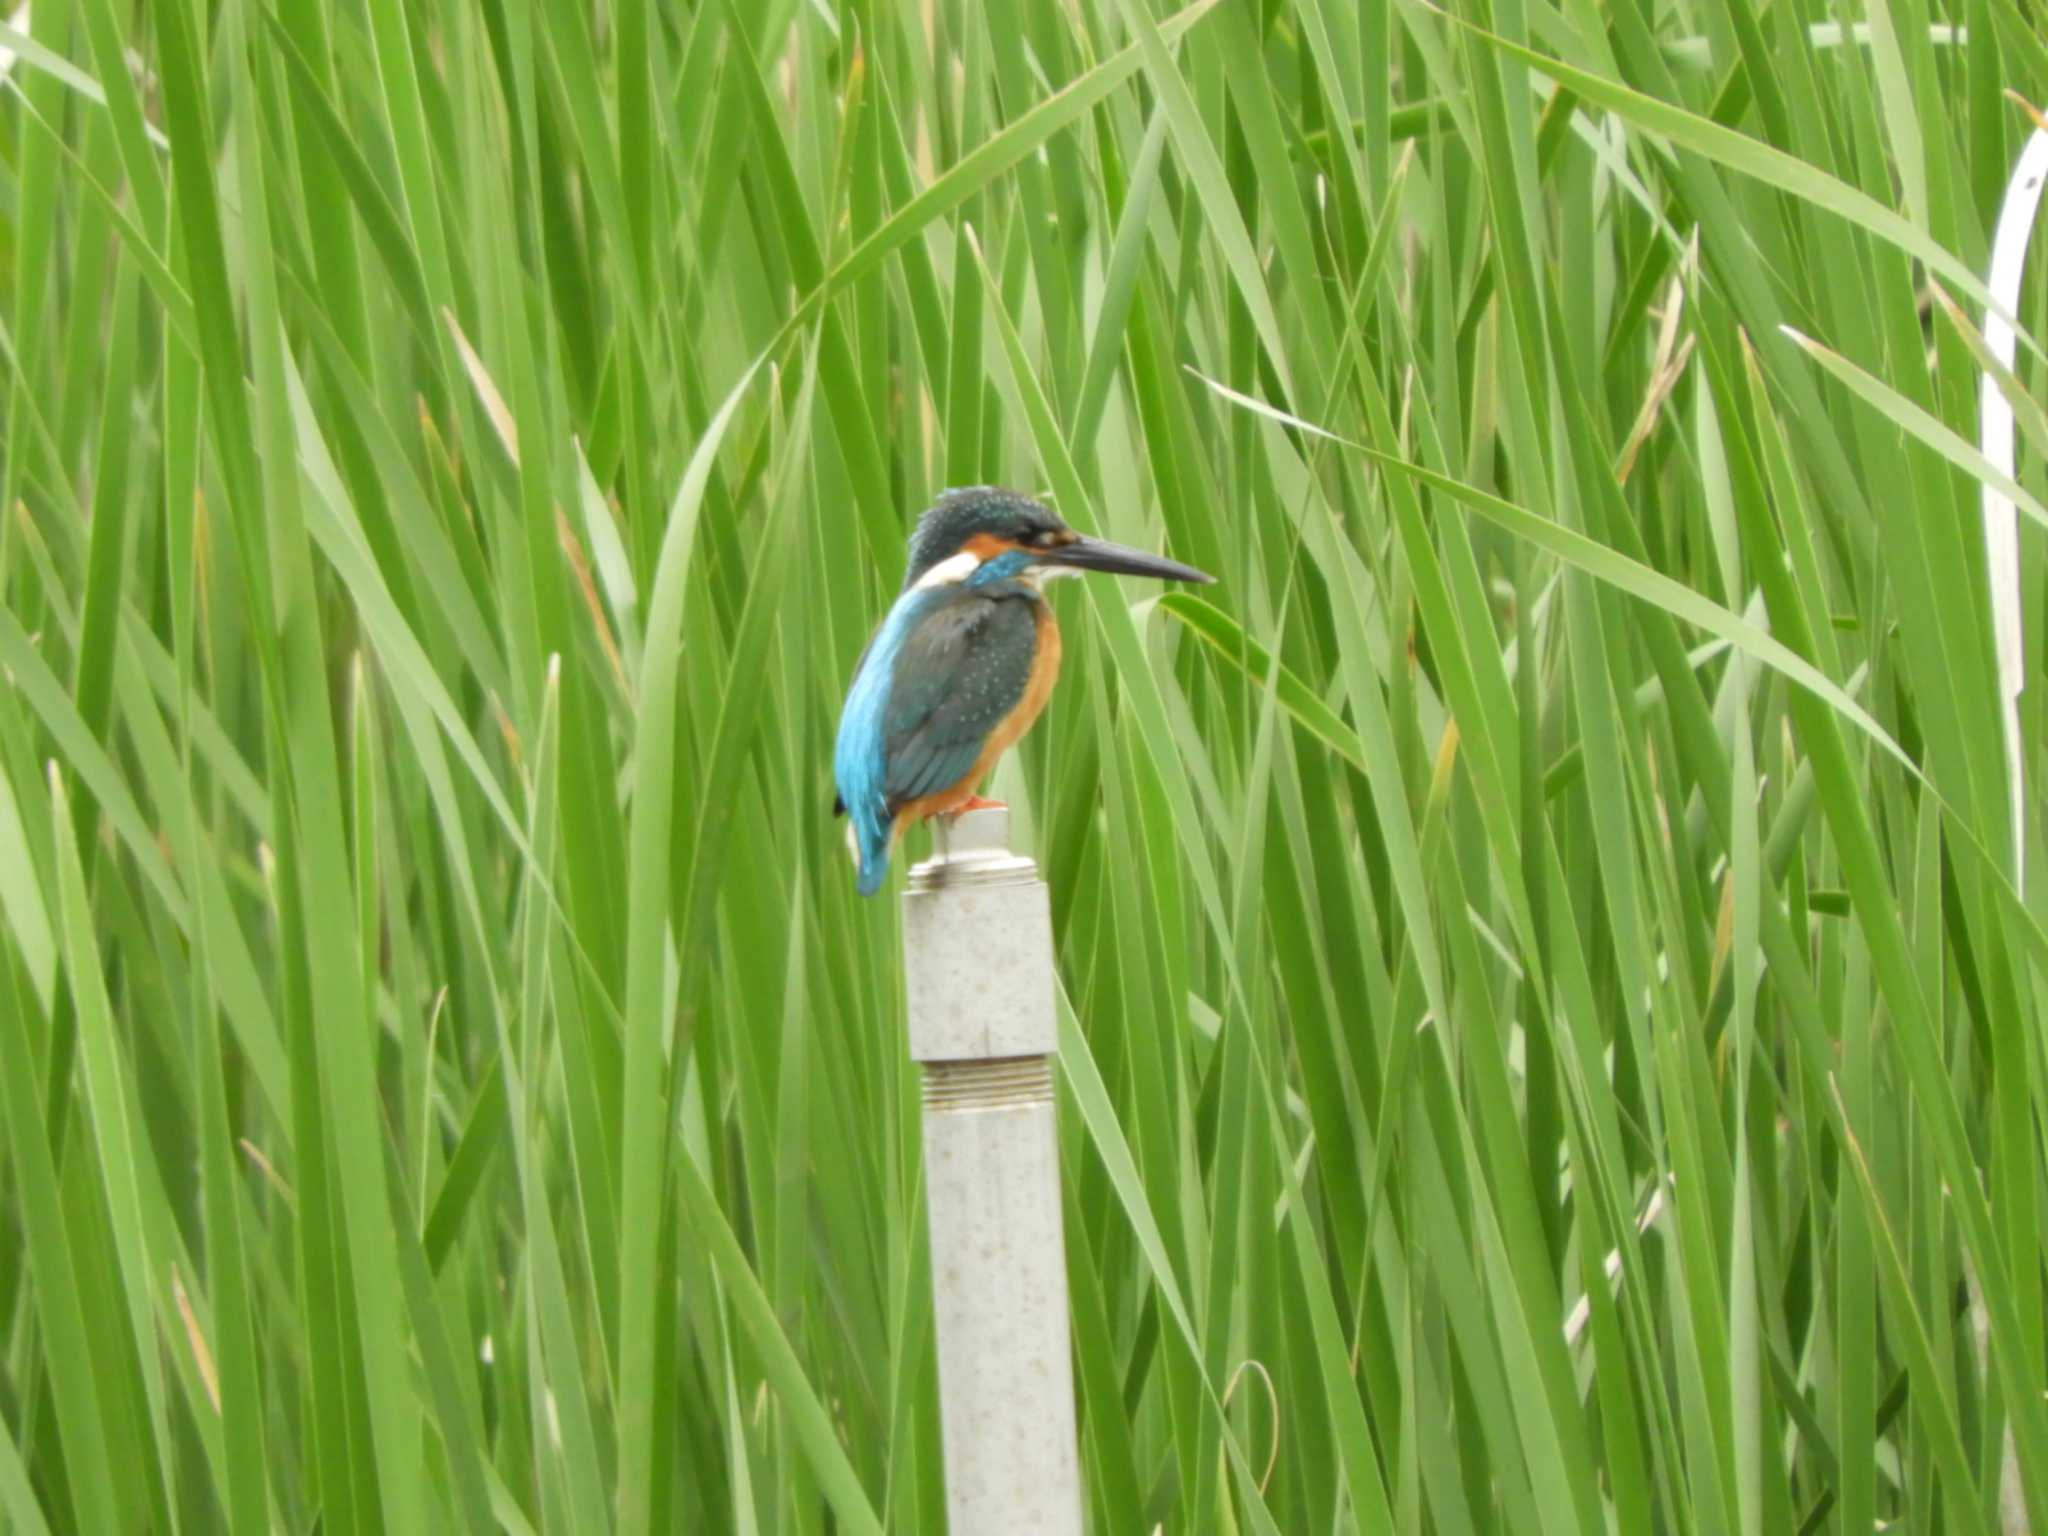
1000, 1082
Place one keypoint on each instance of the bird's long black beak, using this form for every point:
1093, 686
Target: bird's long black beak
1086, 554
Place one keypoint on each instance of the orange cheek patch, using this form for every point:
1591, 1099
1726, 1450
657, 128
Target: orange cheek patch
986, 546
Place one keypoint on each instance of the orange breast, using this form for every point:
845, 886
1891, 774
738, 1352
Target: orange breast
1045, 671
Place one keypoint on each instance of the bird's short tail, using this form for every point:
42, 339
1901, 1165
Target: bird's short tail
868, 841
872, 873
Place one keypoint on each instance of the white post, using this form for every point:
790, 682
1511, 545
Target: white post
977, 956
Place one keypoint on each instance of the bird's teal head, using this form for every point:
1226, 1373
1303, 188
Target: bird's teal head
984, 533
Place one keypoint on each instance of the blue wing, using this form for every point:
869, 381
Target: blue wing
942, 673
957, 676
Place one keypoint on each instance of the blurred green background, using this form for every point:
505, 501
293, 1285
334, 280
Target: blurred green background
1551, 1041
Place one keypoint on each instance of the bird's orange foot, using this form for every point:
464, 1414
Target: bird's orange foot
977, 803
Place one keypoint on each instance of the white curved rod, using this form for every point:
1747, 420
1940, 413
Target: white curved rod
19, 22
1820, 36
1994, 436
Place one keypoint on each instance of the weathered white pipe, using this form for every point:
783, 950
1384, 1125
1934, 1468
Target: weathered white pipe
977, 956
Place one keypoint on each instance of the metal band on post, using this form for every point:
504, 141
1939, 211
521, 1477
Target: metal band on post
977, 954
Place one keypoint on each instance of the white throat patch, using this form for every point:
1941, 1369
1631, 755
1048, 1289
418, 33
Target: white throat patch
951, 571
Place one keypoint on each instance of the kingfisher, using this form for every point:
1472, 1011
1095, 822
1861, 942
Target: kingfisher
962, 664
